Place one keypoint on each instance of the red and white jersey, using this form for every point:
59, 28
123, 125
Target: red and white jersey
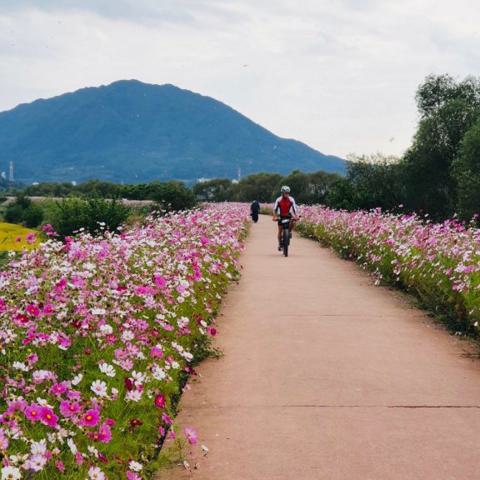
285, 206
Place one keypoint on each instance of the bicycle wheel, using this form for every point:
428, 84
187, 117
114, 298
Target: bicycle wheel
286, 241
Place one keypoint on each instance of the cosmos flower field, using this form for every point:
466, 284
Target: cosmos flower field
97, 336
439, 262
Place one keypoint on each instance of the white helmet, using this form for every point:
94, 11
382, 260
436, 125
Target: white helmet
286, 189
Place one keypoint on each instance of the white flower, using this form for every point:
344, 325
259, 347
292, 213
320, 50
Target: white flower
20, 366
158, 372
99, 388
77, 379
39, 448
138, 377
98, 311
183, 322
134, 395
127, 335
36, 463
11, 473
107, 369
93, 450
135, 466
106, 329
71, 445
94, 473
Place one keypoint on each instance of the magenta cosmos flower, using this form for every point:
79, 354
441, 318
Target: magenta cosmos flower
69, 409
90, 418
48, 417
32, 412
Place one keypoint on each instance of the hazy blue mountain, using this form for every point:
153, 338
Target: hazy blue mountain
131, 131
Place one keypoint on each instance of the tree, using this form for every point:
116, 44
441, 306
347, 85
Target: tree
466, 170
216, 190
259, 186
308, 188
447, 110
173, 196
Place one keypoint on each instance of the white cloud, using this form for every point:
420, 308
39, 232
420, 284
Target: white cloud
339, 75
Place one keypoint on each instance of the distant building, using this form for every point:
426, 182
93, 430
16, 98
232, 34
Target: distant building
10, 173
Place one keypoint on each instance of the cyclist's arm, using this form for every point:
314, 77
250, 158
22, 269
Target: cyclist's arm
294, 207
275, 208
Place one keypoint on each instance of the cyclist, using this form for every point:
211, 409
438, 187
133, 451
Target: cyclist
284, 207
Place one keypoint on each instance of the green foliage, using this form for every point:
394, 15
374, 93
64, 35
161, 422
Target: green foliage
448, 110
33, 216
174, 196
216, 190
308, 188
14, 213
71, 214
260, 186
24, 211
466, 170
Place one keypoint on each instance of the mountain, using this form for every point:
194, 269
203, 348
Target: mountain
131, 131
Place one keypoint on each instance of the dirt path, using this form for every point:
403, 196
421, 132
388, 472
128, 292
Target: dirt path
327, 377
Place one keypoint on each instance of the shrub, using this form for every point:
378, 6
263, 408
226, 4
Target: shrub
72, 214
33, 216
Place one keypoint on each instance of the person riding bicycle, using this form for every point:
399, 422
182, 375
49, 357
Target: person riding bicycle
285, 207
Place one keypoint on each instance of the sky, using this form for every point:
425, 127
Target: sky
339, 75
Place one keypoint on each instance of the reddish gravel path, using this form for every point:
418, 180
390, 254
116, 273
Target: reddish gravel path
327, 377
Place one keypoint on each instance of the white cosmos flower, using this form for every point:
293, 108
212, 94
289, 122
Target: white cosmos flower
127, 335
71, 445
20, 366
99, 388
139, 377
135, 466
107, 369
106, 329
158, 372
94, 473
77, 379
38, 448
133, 396
11, 473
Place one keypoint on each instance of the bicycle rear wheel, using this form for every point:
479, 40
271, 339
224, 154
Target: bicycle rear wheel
286, 241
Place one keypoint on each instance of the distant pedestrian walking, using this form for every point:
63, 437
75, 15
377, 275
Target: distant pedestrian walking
254, 210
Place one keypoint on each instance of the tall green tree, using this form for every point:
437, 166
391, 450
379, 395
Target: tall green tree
466, 171
448, 109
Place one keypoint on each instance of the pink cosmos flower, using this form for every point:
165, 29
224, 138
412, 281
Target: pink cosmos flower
60, 466
90, 418
104, 433
212, 331
48, 417
160, 401
190, 435
33, 310
69, 409
3, 440
58, 389
156, 352
32, 412
133, 476
31, 238
160, 281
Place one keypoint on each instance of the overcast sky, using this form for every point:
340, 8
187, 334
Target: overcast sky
339, 75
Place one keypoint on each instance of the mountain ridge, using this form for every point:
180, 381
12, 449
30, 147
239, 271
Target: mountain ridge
132, 131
